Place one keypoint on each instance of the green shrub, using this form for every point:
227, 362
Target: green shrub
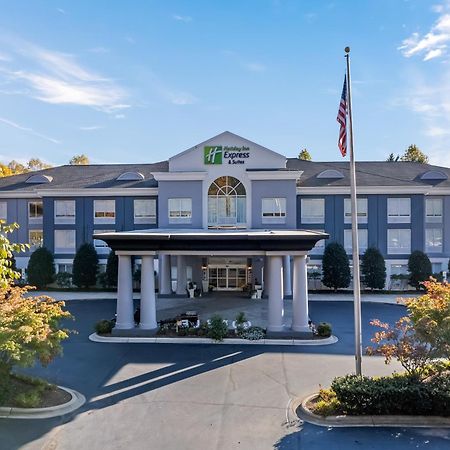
102, 280
327, 403
217, 328
112, 269
30, 399
253, 333
335, 267
104, 326
41, 268
85, 266
64, 279
419, 267
324, 329
373, 269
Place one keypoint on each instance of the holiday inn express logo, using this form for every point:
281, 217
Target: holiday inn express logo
213, 154
217, 154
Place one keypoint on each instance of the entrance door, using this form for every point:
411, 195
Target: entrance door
228, 278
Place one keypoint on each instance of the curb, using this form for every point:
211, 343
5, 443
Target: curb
299, 408
73, 404
94, 337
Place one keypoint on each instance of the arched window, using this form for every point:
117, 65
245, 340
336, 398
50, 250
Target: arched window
226, 203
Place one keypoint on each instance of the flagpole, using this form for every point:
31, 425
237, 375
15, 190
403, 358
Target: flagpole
355, 245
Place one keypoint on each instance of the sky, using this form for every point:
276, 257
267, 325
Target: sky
140, 81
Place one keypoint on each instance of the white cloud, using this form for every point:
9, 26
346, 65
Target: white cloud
185, 19
255, 67
91, 128
12, 124
61, 11
58, 78
432, 44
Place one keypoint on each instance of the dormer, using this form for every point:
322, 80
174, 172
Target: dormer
434, 175
39, 179
130, 176
331, 174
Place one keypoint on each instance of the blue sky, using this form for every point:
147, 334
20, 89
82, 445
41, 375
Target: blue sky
139, 81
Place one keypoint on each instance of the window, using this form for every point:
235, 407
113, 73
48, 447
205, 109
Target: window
399, 269
226, 203
35, 239
399, 210
361, 207
433, 240
313, 210
362, 240
101, 246
35, 211
65, 241
399, 241
433, 210
3, 211
436, 267
104, 211
273, 210
180, 210
65, 211
145, 211
65, 268
319, 247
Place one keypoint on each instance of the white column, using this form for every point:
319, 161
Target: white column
266, 272
125, 313
276, 310
148, 301
181, 275
165, 283
287, 282
300, 315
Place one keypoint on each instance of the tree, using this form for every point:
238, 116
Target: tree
16, 167
430, 315
85, 266
335, 267
37, 164
304, 155
414, 154
79, 160
112, 269
373, 268
419, 267
29, 331
393, 158
8, 272
41, 268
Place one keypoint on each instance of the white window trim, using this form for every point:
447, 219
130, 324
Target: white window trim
34, 247
178, 218
274, 216
398, 250
103, 219
312, 219
434, 218
363, 243
35, 220
70, 249
151, 219
396, 217
70, 220
434, 248
4, 211
363, 212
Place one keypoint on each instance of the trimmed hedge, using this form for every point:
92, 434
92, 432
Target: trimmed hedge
397, 394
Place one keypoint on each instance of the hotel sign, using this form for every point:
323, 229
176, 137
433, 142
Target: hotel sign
218, 154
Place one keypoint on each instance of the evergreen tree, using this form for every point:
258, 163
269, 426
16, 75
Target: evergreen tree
393, 158
335, 267
112, 269
85, 266
41, 268
304, 155
419, 267
373, 269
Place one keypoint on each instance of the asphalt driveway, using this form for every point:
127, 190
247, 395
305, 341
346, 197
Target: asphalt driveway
154, 396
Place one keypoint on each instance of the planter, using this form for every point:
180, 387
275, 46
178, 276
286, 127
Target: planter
246, 325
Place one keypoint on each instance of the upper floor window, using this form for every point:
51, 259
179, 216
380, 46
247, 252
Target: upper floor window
361, 208
399, 241
65, 241
313, 210
433, 210
104, 211
65, 211
227, 203
3, 211
35, 212
35, 239
399, 210
433, 240
362, 240
273, 210
180, 210
145, 211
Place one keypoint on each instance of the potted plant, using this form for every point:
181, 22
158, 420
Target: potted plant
240, 323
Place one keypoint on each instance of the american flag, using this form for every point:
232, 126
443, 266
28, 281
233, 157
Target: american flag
342, 119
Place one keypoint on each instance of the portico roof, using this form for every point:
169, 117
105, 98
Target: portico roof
161, 240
